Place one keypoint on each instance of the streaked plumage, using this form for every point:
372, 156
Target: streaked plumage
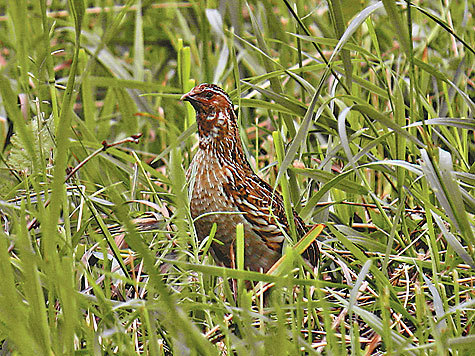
225, 190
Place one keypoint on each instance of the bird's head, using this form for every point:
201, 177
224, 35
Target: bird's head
214, 111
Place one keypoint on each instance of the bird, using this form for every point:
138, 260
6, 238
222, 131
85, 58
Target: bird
224, 189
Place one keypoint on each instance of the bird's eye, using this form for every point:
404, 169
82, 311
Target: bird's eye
209, 95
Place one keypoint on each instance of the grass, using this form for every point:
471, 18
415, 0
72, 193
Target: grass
362, 116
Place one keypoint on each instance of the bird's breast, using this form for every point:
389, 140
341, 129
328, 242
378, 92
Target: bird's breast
209, 202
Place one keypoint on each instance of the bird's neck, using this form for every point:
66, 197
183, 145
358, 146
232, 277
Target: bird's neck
224, 146
217, 129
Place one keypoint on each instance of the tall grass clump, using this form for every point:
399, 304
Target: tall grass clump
360, 113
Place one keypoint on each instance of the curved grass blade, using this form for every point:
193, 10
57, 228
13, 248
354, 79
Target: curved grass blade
299, 139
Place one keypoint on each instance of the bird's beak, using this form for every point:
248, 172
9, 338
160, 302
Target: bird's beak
186, 97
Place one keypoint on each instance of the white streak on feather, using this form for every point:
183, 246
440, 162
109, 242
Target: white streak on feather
257, 213
252, 206
275, 238
260, 221
270, 228
252, 196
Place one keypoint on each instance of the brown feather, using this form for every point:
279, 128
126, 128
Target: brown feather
225, 190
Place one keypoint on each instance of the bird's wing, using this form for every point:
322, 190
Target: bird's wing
263, 208
271, 202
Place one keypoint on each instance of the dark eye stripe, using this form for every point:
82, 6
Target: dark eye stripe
216, 90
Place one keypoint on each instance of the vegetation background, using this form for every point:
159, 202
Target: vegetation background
360, 112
